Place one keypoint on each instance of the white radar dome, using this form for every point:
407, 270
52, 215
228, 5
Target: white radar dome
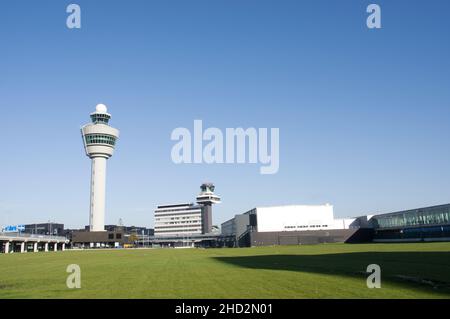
101, 108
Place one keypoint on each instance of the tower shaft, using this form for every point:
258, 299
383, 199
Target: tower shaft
206, 218
98, 191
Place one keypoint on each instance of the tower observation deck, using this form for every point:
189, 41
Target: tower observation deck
99, 142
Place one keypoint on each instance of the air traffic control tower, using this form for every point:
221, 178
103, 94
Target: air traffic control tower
99, 141
207, 198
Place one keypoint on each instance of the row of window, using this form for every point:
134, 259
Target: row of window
439, 215
100, 139
178, 212
182, 223
413, 233
178, 227
187, 231
111, 236
100, 118
186, 217
181, 220
305, 226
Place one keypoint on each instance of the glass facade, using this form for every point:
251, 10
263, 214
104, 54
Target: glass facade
100, 118
437, 215
100, 139
413, 233
207, 187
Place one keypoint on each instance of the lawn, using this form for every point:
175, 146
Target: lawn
316, 271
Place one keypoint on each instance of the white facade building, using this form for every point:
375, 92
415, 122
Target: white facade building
294, 218
187, 219
178, 220
286, 218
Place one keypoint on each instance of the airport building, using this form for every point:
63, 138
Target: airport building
45, 229
105, 239
414, 225
178, 219
188, 224
290, 224
299, 224
138, 230
22, 242
187, 219
114, 236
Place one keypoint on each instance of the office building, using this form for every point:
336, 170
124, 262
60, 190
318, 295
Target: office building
187, 219
178, 219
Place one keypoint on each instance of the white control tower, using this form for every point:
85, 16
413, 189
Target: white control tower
99, 141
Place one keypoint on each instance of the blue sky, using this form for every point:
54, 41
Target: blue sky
363, 114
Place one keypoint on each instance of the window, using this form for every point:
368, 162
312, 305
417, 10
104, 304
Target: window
425, 216
100, 139
99, 118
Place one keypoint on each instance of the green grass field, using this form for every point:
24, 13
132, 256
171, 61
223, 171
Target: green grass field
317, 271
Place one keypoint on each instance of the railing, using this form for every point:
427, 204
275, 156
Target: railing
32, 236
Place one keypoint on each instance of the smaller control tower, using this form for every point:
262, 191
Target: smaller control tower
206, 198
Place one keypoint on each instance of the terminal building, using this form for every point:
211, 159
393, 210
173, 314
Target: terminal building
187, 219
179, 220
49, 228
114, 236
290, 224
187, 224
13, 242
105, 239
301, 224
414, 225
